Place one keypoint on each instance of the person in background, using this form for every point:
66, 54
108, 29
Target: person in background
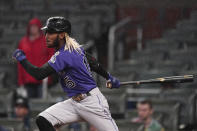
2, 128
74, 127
145, 112
34, 46
92, 128
21, 112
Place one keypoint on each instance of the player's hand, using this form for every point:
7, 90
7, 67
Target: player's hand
112, 82
19, 55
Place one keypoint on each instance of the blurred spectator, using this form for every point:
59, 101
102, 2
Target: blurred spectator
34, 46
74, 127
2, 128
92, 128
18, 93
21, 111
145, 112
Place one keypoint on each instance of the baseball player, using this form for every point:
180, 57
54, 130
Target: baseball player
85, 101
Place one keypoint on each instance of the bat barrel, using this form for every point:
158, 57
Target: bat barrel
172, 79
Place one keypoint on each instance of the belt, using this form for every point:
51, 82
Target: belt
80, 97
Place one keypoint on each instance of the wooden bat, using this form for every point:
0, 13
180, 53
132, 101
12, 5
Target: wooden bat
170, 79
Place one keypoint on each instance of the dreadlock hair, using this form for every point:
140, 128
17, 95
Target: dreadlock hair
71, 44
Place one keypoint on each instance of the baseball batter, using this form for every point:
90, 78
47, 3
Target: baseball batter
85, 101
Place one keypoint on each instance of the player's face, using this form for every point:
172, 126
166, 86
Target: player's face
21, 111
144, 111
51, 39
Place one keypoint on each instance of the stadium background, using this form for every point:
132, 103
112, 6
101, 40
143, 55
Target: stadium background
149, 39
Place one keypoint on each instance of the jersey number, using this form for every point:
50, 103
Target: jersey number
69, 83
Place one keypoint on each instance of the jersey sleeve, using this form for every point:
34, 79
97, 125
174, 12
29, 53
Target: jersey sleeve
58, 62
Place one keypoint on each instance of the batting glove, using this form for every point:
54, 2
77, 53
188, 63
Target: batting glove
19, 55
113, 82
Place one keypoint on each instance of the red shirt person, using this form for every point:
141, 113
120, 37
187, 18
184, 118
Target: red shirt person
34, 46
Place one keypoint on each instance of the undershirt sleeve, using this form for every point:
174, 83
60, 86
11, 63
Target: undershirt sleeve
38, 73
96, 67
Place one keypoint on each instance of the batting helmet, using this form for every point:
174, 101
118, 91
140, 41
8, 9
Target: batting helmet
57, 24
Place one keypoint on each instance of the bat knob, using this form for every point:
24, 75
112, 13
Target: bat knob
109, 84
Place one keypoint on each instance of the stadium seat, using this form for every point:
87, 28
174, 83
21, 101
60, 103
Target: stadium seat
4, 7
125, 76
56, 93
33, 124
12, 34
64, 128
44, 15
142, 92
172, 15
82, 125
3, 109
183, 56
34, 113
41, 104
162, 44
195, 116
187, 25
9, 128
126, 125
123, 12
116, 100
30, 5
16, 17
12, 123
176, 34
152, 30
187, 109
132, 114
149, 55
171, 65
7, 68
171, 112
194, 15
131, 65
151, 15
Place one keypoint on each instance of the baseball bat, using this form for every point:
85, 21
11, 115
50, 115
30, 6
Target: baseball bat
171, 79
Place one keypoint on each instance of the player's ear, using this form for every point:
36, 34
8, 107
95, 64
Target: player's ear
62, 35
